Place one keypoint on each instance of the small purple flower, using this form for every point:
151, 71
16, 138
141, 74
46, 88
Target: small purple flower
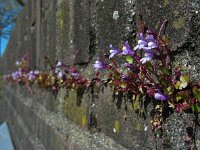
100, 65
16, 75
75, 75
160, 96
59, 64
140, 45
146, 42
114, 52
125, 77
127, 50
150, 46
17, 63
36, 72
60, 75
31, 76
147, 57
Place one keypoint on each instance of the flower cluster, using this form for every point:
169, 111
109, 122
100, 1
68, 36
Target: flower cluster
23, 74
145, 71
57, 77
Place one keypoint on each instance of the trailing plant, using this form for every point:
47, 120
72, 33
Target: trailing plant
140, 74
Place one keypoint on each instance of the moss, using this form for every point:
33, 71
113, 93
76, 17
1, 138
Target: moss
179, 23
182, 2
61, 21
74, 112
63, 16
166, 3
58, 145
175, 12
157, 26
138, 126
117, 126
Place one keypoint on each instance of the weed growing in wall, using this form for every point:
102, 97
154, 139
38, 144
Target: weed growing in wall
140, 74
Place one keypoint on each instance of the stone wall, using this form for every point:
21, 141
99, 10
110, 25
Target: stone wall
77, 32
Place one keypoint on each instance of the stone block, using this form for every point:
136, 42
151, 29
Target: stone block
51, 22
81, 39
133, 132
64, 32
182, 28
112, 22
76, 108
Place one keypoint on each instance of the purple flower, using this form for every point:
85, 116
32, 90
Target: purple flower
147, 57
16, 75
17, 63
36, 72
100, 65
127, 50
60, 75
75, 75
114, 52
31, 76
150, 46
59, 64
160, 96
140, 45
125, 77
147, 42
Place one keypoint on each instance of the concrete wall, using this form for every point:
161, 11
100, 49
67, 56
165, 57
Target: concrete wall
77, 32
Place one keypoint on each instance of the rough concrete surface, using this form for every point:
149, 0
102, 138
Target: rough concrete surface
79, 32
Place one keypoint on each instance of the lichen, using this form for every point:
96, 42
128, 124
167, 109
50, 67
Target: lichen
166, 3
179, 23
74, 112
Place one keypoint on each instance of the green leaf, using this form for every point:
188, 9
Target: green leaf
136, 105
123, 85
169, 90
196, 108
178, 97
165, 39
129, 59
164, 70
196, 93
117, 126
185, 78
163, 82
117, 76
149, 66
177, 85
158, 132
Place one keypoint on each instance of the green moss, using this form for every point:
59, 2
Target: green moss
117, 126
74, 112
179, 23
63, 14
58, 145
182, 2
60, 15
138, 126
166, 3
175, 12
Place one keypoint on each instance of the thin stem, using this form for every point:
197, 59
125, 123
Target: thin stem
162, 26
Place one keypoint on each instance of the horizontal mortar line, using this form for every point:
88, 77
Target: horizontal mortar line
77, 135
34, 140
